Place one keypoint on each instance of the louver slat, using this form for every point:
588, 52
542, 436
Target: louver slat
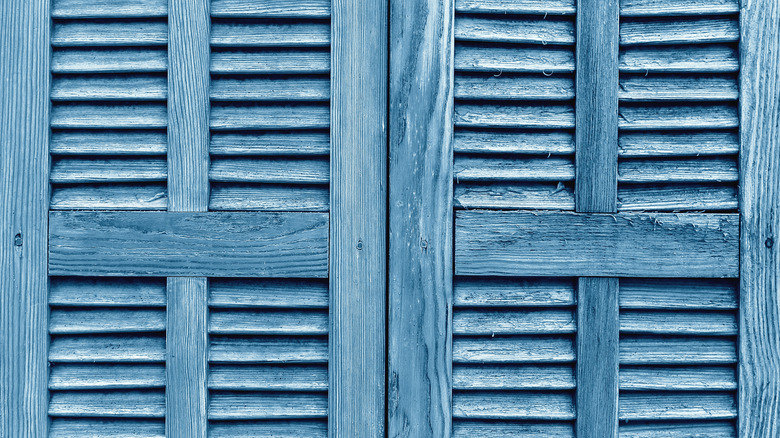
268, 356
678, 64
514, 92
107, 354
677, 356
108, 93
270, 91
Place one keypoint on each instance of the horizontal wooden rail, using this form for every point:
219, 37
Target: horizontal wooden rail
213, 244
596, 245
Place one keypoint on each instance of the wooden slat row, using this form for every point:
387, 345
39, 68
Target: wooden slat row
678, 98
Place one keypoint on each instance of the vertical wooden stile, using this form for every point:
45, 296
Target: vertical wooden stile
358, 171
188, 191
24, 196
759, 350
420, 202
596, 192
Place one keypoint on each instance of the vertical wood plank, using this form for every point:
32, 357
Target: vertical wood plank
597, 106
597, 357
596, 192
759, 375
188, 105
24, 192
358, 170
186, 367
420, 202
188, 191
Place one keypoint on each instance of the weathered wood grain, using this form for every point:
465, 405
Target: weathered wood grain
268, 378
98, 292
268, 322
498, 29
596, 111
268, 197
91, 116
511, 141
559, 244
97, 88
648, 293
513, 322
638, 8
686, 429
513, 349
677, 406
188, 112
514, 196
269, 429
281, 88
358, 219
677, 197
537, 7
713, 58
271, 62
678, 378
274, 170
266, 406
105, 34
688, 31
271, 8
597, 357
513, 87
520, 405
78, 170
106, 376
472, 168
186, 357
419, 375
688, 350
513, 116
522, 59
241, 293
107, 142
108, 8
507, 429
646, 117
109, 61
759, 349
71, 321
133, 404
301, 116
24, 193
698, 169
105, 428
496, 292
685, 323
195, 244
297, 143
513, 377
114, 349
660, 88
670, 144
268, 34
109, 197
269, 349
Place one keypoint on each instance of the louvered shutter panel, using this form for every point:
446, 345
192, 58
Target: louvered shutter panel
208, 171
603, 232
483, 218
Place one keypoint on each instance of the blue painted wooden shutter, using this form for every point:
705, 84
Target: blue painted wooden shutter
197, 321
595, 219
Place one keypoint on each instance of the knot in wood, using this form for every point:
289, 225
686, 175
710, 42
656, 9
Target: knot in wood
18, 241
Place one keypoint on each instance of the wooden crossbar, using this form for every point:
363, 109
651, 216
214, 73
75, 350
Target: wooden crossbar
212, 244
596, 245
